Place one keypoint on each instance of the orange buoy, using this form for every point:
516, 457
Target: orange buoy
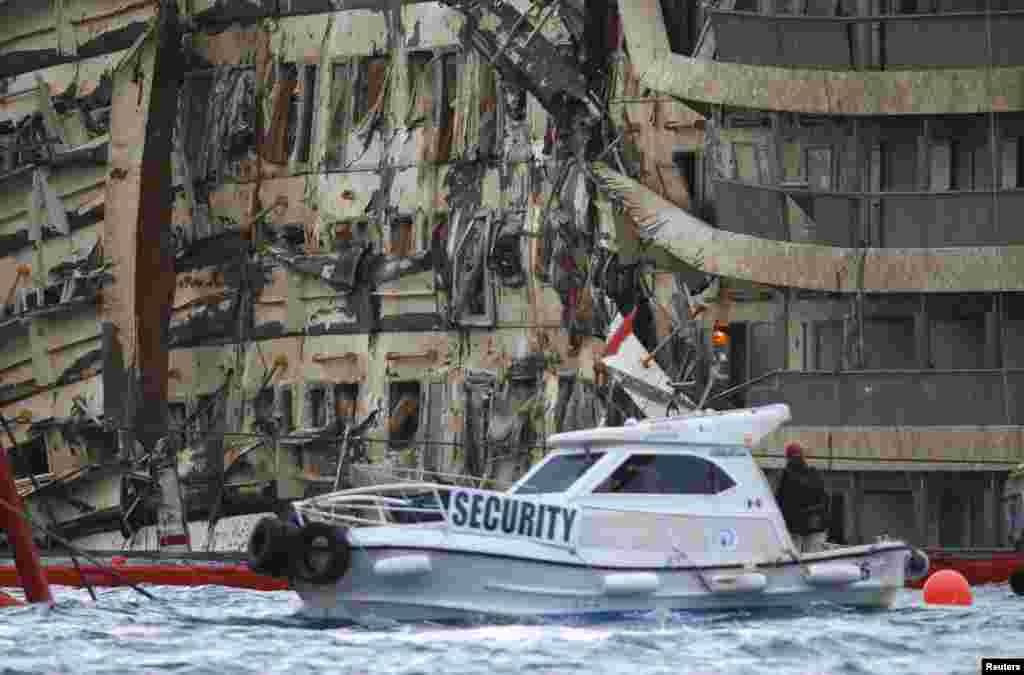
947, 587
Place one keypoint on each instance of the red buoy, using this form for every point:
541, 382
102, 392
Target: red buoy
947, 587
19, 534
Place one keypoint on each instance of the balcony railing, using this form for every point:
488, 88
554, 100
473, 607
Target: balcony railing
896, 398
898, 219
889, 42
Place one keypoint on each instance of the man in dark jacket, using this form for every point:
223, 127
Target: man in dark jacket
803, 501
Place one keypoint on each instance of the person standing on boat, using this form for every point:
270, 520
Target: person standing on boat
803, 501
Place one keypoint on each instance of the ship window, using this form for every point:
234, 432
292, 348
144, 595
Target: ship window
369, 89
559, 473
404, 418
345, 398
402, 240
30, 458
283, 409
177, 416
667, 475
317, 412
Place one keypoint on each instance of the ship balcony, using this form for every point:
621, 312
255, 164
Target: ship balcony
877, 65
969, 419
919, 220
893, 398
885, 42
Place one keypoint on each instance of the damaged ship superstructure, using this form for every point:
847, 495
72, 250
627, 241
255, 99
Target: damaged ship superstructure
267, 248
863, 161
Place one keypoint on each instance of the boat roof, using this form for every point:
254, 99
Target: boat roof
745, 427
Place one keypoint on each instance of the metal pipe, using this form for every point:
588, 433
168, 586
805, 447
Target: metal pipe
19, 533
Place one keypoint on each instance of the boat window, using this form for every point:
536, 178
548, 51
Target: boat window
559, 473
667, 475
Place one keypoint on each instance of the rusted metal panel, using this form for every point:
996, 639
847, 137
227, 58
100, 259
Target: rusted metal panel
136, 235
19, 98
75, 187
70, 31
504, 36
41, 403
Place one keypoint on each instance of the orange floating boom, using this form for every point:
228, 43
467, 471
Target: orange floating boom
19, 535
234, 576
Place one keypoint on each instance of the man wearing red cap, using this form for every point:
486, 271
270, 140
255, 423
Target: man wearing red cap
803, 501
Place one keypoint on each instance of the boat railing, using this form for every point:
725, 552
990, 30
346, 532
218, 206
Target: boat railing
412, 503
377, 474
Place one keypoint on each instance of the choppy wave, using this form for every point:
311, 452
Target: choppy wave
218, 630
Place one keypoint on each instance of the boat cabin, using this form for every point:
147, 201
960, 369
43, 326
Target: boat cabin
683, 489
663, 486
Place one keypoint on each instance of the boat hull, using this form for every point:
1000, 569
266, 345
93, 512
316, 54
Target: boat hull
464, 585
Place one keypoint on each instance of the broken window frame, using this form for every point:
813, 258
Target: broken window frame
359, 232
449, 67
940, 180
177, 415
196, 126
397, 222
346, 388
362, 106
206, 424
744, 156
260, 408
306, 114
284, 408
317, 404
340, 113
27, 454
488, 318
395, 395
1010, 163
418, 61
444, 80
348, 110
829, 163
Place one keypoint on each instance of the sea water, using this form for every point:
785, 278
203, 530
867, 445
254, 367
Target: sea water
220, 630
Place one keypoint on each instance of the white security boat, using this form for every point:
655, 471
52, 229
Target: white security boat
667, 514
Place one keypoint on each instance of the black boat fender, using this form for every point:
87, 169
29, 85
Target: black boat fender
269, 544
917, 565
1017, 580
322, 553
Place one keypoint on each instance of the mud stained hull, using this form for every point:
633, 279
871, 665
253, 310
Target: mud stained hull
231, 535
461, 586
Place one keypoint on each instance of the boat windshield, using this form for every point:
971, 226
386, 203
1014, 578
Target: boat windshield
559, 473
